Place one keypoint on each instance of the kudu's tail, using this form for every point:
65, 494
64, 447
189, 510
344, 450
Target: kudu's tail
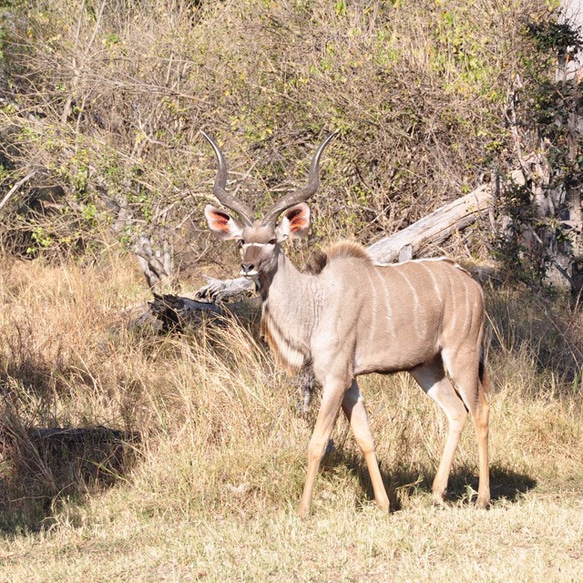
483, 373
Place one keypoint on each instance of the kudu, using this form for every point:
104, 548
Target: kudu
353, 317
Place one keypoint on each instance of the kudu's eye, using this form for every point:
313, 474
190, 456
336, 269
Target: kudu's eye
240, 243
272, 241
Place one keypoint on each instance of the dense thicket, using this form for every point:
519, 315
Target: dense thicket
103, 101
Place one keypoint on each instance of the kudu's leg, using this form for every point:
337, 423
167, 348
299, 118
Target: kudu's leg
481, 417
435, 383
472, 390
332, 396
355, 411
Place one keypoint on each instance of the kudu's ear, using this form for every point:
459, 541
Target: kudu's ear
222, 223
295, 222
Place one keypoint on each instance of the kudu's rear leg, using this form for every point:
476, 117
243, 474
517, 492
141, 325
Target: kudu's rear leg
481, 417
468, 394
355, 411
435, 383
471, 384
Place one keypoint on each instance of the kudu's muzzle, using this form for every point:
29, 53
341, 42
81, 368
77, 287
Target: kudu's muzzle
248, 270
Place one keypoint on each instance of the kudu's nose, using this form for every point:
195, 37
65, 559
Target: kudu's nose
247, 268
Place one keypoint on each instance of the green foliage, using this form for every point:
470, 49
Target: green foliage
460, 53
108, 99
546, 117
525, 260
554, 37
41, 240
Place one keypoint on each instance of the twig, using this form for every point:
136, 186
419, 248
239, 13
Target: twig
512, 120
15, 188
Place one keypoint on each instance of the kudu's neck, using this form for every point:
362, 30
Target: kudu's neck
288, 312
283, 281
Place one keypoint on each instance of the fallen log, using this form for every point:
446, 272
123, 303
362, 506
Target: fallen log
433, 229
174, 313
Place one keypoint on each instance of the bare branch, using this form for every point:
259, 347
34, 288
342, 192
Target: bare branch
16, 187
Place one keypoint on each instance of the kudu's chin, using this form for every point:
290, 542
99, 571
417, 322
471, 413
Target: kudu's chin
254, 276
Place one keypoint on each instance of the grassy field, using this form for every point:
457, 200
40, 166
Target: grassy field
209, 490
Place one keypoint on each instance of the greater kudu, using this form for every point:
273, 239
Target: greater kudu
354, 317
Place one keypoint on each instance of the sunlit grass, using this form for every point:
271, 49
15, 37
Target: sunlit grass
210, 489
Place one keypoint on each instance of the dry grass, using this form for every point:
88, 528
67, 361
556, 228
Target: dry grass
210, 490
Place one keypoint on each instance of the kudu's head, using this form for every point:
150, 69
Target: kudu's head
260, 240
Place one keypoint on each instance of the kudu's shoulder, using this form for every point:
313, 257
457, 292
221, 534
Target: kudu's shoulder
340, 251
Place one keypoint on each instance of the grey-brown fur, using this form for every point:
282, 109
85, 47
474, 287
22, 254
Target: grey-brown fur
320, 259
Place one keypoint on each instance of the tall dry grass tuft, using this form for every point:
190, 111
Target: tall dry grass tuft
544, 334
536, 356
53, 323
203, 403
218, 421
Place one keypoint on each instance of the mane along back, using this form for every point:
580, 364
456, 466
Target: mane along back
341, 250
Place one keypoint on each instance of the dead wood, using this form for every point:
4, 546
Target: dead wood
433, 229
174, 313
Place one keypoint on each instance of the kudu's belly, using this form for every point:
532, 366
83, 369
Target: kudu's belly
387, 349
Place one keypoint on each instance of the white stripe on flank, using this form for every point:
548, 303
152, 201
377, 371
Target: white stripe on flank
453, 308
417, 305
374, 308
468, 322
435, 285
388, 306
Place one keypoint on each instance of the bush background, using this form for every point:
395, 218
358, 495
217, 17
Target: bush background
105, 100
